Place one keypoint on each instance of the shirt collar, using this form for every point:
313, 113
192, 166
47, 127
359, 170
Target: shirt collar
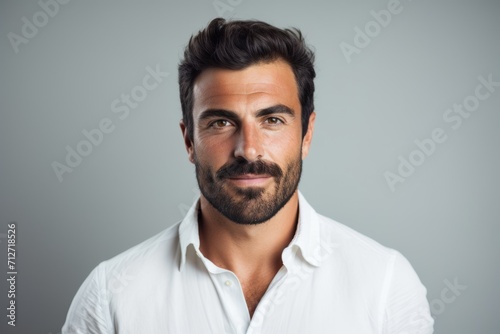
307, 236
188, 232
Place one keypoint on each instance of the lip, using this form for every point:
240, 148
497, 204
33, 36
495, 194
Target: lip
250, 179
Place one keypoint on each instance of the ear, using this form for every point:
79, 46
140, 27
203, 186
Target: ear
187, 141
306, 141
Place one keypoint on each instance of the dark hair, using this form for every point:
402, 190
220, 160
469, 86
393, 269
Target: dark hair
238, 44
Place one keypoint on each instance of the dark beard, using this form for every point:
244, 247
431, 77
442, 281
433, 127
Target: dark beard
251, 205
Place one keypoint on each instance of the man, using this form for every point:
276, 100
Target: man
251, 256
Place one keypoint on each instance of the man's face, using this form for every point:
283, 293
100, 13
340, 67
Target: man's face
247, 145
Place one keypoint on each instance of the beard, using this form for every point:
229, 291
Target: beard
248, 205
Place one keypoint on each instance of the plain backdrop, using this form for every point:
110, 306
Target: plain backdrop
372, 105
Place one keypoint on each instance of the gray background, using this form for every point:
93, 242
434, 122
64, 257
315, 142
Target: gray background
443, 218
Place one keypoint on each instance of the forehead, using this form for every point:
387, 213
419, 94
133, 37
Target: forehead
256, 86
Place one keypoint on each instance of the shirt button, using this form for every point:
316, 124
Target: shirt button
228, 283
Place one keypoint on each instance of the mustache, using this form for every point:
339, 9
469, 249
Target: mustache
240, 167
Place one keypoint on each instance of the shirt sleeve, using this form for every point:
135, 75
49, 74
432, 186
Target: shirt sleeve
407, 309
89, 311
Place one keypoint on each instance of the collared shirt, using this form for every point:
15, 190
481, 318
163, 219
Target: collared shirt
333, 280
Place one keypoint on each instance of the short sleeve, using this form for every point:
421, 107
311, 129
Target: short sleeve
407, 309
89, 311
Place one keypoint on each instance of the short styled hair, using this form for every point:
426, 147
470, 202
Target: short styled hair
236, 45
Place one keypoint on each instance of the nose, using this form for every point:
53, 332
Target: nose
248, 143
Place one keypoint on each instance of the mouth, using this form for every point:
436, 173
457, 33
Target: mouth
250, 179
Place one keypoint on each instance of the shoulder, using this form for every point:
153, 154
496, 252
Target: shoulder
116, 279
380, 274
327, 236
115, 276
379, 268
160, 248
352, 242
363, 256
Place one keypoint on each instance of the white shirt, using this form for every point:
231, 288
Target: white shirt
333, 280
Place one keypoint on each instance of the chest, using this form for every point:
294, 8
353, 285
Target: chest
193, 302
294, 306
253, 291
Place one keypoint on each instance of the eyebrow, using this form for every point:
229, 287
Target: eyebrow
277, 109
229, 114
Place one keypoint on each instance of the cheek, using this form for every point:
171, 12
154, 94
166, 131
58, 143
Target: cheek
213, 153
284, 145
211, 141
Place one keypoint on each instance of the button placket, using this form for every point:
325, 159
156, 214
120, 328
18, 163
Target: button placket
233, 301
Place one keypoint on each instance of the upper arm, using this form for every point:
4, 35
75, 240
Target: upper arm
406, 308
89, 311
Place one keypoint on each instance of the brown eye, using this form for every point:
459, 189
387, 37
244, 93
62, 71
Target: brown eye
220, 123
273, 120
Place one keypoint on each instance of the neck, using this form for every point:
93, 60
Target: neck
247, 249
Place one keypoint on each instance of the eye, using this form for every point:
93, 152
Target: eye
273, 121
220, 123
